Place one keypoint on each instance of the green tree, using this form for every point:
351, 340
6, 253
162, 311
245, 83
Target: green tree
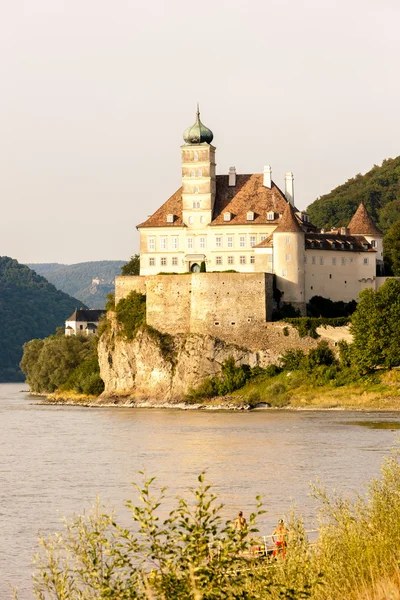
376, 327
389, 214
132, 267
391, 248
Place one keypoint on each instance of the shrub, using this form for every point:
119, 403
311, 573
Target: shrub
285, 331
131, 314
308, 325
322, 355
202, 267
324, 307
292, 360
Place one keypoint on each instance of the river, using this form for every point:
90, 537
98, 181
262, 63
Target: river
55, 460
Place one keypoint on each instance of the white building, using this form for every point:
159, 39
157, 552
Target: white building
83, 321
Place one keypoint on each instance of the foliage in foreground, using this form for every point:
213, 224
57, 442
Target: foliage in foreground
60, 362
130, 313
194, 553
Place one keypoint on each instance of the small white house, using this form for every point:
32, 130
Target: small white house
83, 321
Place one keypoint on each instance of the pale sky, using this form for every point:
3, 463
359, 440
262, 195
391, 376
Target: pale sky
95, 95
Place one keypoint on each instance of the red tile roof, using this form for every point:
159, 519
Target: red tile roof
248, 195
289, 223
333, 241
362, 224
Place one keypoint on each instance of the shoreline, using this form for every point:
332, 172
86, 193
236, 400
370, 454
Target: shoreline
214, 404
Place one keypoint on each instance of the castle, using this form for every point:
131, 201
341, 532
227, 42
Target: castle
243, 229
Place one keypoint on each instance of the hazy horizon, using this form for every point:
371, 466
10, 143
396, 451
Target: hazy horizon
95, 99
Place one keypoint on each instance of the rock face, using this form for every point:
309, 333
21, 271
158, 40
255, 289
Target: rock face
164, 368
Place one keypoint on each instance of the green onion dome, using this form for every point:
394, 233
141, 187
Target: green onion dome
198, 133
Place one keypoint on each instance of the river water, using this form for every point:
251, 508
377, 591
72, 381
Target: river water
55, 460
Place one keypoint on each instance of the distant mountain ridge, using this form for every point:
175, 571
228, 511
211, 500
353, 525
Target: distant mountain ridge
90, 282
30, 307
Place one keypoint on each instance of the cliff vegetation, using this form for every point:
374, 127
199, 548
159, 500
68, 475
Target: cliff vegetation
195, 553
30, 307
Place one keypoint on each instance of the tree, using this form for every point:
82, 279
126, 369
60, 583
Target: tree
376, 327
132, 267
388, 215
391, 248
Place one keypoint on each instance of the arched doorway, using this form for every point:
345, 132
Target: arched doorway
195, 268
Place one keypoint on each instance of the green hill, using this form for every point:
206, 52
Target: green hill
90, 282
30, 307
379, 189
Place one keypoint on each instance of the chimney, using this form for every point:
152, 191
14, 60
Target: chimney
232, 176
267, 177
289, 188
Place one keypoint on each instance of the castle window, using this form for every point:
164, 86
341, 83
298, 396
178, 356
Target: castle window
195, 156
174, 261
175, 243
342, 245
163, 243
334, 261
321, 244
288, 257
230, 241
230, 260
242, 241
196, 189
152, 262
199, 174
252, 260
163, 261
202, 219
270, 216
202, 242
196, 204
262, 238
242, 260
192, 174
284, 273
343, 261
190, 243
305, 259
330, 276
250, 216
313, 260
218, 241
170, 218
351, 246
190, 220
287, 240
151, 244
321, 260
333, 245
227, 216
218, 260
253, 241
365, 261
373, 243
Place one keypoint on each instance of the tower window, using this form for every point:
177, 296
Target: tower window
284, 273
202, 219
365, 261
288, 257
192, 174
196, 189
333, 261
196, 204
343, 261
287, 240
373, 243
190, 219
195, 156
199, 174
313, 260
321, 260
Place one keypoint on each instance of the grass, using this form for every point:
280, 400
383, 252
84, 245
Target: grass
297, 389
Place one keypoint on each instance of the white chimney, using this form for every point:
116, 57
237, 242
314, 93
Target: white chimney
232, 176
289, 188
267, 177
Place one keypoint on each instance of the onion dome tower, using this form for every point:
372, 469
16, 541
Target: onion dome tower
198, 133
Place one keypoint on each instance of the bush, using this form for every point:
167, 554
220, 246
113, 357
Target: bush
322, 355
85, 379
231, 378
131, 314
324, 307
308, 325
292, 360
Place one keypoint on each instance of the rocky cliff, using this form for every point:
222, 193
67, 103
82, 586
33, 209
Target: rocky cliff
162, 367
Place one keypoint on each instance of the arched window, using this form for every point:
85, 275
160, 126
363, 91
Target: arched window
190, 219
197, 204
192, 174
199, 173
196, 189
195, 156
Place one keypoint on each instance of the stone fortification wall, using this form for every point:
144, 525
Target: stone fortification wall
229, 306
129, 283
168, 300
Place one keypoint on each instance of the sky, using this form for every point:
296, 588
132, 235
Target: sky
95, 96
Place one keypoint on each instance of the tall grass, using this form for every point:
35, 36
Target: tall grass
194, 554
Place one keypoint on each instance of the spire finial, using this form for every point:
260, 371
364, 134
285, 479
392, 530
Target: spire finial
198, 110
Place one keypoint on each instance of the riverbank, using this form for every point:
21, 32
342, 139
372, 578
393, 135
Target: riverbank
295, 391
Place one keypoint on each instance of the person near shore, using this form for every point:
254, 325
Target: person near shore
281, 533
240, 522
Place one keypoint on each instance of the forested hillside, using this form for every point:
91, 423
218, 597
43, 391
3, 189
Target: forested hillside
77, 280
30, 307
379, 190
